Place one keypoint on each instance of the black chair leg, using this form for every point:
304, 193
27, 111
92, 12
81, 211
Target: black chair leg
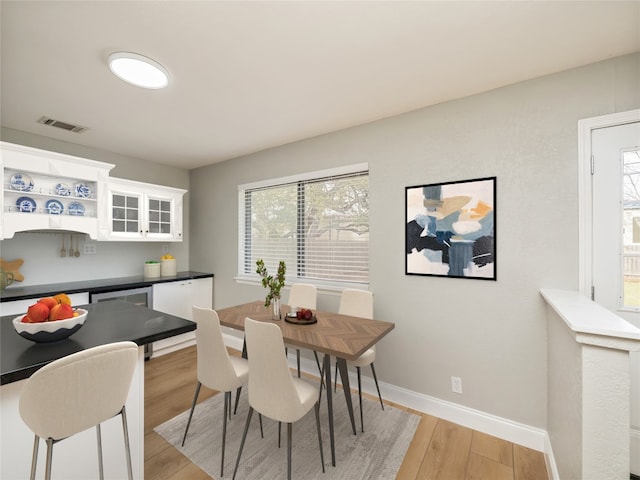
298, 359
289, 435
227, 410
373, 370
320, 369
235, 409
244, 437
335, 382
279, 433
360, 398
193, 406
319, 434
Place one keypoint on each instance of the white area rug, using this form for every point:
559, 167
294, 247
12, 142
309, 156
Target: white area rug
375, 454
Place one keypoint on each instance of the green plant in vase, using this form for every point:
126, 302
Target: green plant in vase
274, 284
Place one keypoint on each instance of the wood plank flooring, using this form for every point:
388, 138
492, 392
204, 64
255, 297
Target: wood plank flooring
440, 450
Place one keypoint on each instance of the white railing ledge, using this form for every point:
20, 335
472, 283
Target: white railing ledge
592, 323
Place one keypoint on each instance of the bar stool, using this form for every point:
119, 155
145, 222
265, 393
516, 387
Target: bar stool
77, 392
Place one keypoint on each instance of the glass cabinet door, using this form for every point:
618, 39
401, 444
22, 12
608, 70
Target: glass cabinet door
125, 213
159, 216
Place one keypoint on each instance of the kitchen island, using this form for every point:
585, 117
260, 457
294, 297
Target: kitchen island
76, 457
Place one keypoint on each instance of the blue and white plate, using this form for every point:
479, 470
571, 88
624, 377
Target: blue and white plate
54, 207
26, 204
21, 181
82, 190
76, 208
63, 189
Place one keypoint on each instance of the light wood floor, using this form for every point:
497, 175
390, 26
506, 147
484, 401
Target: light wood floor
440, 450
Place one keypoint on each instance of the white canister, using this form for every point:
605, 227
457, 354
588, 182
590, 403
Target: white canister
152, 270
168, 268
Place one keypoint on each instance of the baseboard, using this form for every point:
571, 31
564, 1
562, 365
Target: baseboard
635, 453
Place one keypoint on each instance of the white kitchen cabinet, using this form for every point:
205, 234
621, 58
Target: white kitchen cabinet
178, 298
44, 190
18, 307
138, 211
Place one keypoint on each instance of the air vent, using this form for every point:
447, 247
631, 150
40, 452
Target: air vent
63, 125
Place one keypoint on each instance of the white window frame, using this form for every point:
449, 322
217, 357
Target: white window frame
325, 286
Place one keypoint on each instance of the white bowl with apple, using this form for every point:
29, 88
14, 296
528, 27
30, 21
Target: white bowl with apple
46, 322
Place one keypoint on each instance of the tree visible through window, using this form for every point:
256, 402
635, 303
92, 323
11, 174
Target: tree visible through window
319, 227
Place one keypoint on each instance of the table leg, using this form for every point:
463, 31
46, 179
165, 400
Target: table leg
344, 375
327, 374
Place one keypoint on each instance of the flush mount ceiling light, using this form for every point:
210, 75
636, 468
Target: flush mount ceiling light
138, 70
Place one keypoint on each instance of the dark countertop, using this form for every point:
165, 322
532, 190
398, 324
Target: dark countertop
106, 322
92, 286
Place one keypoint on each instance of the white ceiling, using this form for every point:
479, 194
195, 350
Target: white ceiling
247, 76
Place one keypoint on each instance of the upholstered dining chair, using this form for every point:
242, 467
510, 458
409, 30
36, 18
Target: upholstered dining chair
77, 392
359, 303
216, 369
273, 391
303, 295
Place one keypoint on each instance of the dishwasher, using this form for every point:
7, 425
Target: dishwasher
138, 296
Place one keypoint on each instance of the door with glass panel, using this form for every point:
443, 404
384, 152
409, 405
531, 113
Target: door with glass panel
616, 240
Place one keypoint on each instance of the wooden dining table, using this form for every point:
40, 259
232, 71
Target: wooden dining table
341, 336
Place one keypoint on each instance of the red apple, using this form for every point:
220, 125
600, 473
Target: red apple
25, 319
38, 312
61, 311
49, 302
308, 314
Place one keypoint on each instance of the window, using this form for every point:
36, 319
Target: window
317, 223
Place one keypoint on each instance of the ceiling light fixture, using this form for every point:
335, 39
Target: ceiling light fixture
138, 70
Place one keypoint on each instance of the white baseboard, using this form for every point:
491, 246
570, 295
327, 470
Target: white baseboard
635, 451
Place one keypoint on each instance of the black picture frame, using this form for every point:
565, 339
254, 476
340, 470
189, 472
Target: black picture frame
450, 229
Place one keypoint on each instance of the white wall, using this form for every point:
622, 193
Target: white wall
491, 334
40, 251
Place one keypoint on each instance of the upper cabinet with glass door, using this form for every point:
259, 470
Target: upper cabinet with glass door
43, 190
139, 211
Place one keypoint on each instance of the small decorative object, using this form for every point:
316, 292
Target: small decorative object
168, 265
450, 229
26, 205
21, 182
76, 209
54, 207
152, 269
274, 284
63, 189
82, 190
50, 331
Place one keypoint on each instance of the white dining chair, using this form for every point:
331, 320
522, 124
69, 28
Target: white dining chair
77, 392
273, 391
303, 295
216, 369
359, 303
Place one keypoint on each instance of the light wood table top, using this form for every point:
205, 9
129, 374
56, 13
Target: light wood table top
341, 336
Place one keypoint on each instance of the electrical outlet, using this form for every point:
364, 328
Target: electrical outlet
456, 384
89, 248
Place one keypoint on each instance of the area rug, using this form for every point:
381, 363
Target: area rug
375, 454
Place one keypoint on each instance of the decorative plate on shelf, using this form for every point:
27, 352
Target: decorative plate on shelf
63, 189
76, 208
54, 207
82, 190
26, 204
21, 181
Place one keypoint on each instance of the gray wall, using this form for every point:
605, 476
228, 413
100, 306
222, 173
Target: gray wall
491, 334
40, 251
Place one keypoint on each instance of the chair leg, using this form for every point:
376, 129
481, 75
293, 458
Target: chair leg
47, 468
298, 359
335, 382
34, 457
320, 369
317, 408
360, 397
279, 433
127, 445
100, 462
235, 409
373, 370
261, 430
227, 408
244, 436
193, 406
289, 435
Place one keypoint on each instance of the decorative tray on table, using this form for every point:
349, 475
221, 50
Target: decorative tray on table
292, 318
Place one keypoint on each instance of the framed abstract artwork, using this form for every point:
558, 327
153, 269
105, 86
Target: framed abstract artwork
450, 229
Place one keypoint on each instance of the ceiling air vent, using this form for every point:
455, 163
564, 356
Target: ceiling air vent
63, 125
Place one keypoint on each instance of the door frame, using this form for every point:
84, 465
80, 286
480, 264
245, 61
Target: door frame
585, 194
